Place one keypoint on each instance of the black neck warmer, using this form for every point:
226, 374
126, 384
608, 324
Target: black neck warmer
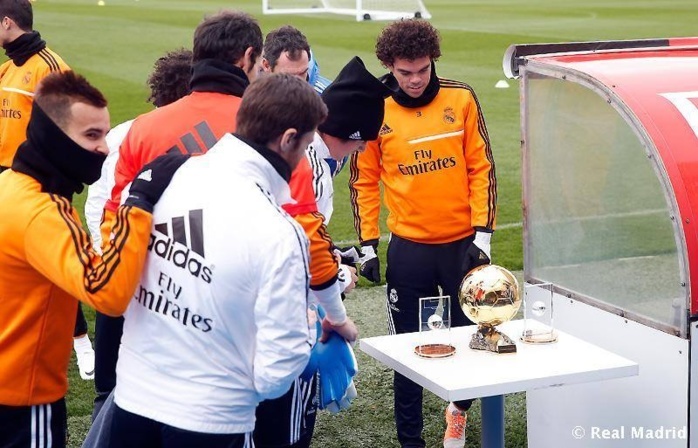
210, 75
59, 164
405, 100
275, 160
24, 47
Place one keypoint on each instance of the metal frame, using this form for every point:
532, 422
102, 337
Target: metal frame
358, 12
611, 98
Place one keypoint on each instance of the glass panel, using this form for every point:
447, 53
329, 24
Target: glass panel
598, 222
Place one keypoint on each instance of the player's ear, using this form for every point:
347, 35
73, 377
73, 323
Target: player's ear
248, 62
265, 65
288, 140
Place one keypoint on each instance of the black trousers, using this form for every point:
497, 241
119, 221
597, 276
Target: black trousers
80, 322
417, 270
43, 425
288, 421
134, 431
108, 332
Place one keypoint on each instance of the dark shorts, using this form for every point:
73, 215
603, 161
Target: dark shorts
43, 425
288, 421
130, 430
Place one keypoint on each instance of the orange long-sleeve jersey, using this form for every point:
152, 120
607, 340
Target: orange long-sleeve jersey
17, 85
436, 166
192, 124
323, 265
47, 262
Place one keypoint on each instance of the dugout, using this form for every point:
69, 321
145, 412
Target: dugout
610, 201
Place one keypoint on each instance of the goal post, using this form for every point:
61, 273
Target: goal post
360, 9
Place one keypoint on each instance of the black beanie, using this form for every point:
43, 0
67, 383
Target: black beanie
355, 101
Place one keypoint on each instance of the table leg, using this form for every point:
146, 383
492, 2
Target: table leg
492, 421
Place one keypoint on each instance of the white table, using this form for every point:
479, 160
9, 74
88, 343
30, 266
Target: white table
478, 374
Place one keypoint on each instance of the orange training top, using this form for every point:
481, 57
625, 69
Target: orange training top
192, 124
47, 261
436, 166
323, 265
17, 85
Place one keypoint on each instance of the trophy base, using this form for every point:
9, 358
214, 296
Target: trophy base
492, 340
432, 351
529, 337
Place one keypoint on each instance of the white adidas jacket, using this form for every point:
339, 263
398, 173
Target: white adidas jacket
218, 322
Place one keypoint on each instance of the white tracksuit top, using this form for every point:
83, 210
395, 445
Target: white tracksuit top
218, 322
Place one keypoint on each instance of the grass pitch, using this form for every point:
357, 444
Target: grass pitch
114, 45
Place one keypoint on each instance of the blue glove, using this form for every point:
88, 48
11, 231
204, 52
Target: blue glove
336, 365
335, 362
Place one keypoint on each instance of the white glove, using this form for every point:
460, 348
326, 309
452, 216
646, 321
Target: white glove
370, 264
349, 254
482, 241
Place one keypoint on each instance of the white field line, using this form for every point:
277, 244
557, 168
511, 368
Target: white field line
515, 225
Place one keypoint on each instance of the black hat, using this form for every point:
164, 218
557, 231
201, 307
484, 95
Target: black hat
355, 101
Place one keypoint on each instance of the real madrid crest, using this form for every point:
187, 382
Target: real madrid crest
27, 77
449, 115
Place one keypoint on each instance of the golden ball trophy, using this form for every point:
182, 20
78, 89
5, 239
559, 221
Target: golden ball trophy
489, 296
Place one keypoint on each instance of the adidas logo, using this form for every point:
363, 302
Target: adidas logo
385, 129
146, 175
183, 249
355, 136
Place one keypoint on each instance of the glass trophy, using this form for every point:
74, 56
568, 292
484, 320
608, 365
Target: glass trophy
435, 328
538, 314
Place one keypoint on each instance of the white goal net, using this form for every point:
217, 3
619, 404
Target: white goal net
361, 9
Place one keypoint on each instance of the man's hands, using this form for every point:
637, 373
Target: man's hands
333, 357
478, 253
337, 366
347, 330
370, 265
148, 186
347, 278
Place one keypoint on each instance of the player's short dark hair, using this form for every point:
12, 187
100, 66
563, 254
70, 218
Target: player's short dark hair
277, 102
408, 39
169, 80
226, 36
58, 91
20, 11
286, 38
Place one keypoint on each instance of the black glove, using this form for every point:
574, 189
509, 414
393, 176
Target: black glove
152, 180
348, 255
370, 266
477, 253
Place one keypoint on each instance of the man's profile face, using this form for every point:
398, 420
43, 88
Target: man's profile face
88, 126
298, 68
412, 75
340, 148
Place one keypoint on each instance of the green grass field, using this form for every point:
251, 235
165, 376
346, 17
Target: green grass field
115, 45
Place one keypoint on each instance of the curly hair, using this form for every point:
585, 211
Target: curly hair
169, 80
408, 39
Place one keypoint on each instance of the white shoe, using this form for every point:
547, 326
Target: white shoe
86, 357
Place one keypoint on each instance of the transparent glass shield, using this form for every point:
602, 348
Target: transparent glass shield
435, 327
539, 326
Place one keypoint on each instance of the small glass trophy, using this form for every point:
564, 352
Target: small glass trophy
435, 328
538, 314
